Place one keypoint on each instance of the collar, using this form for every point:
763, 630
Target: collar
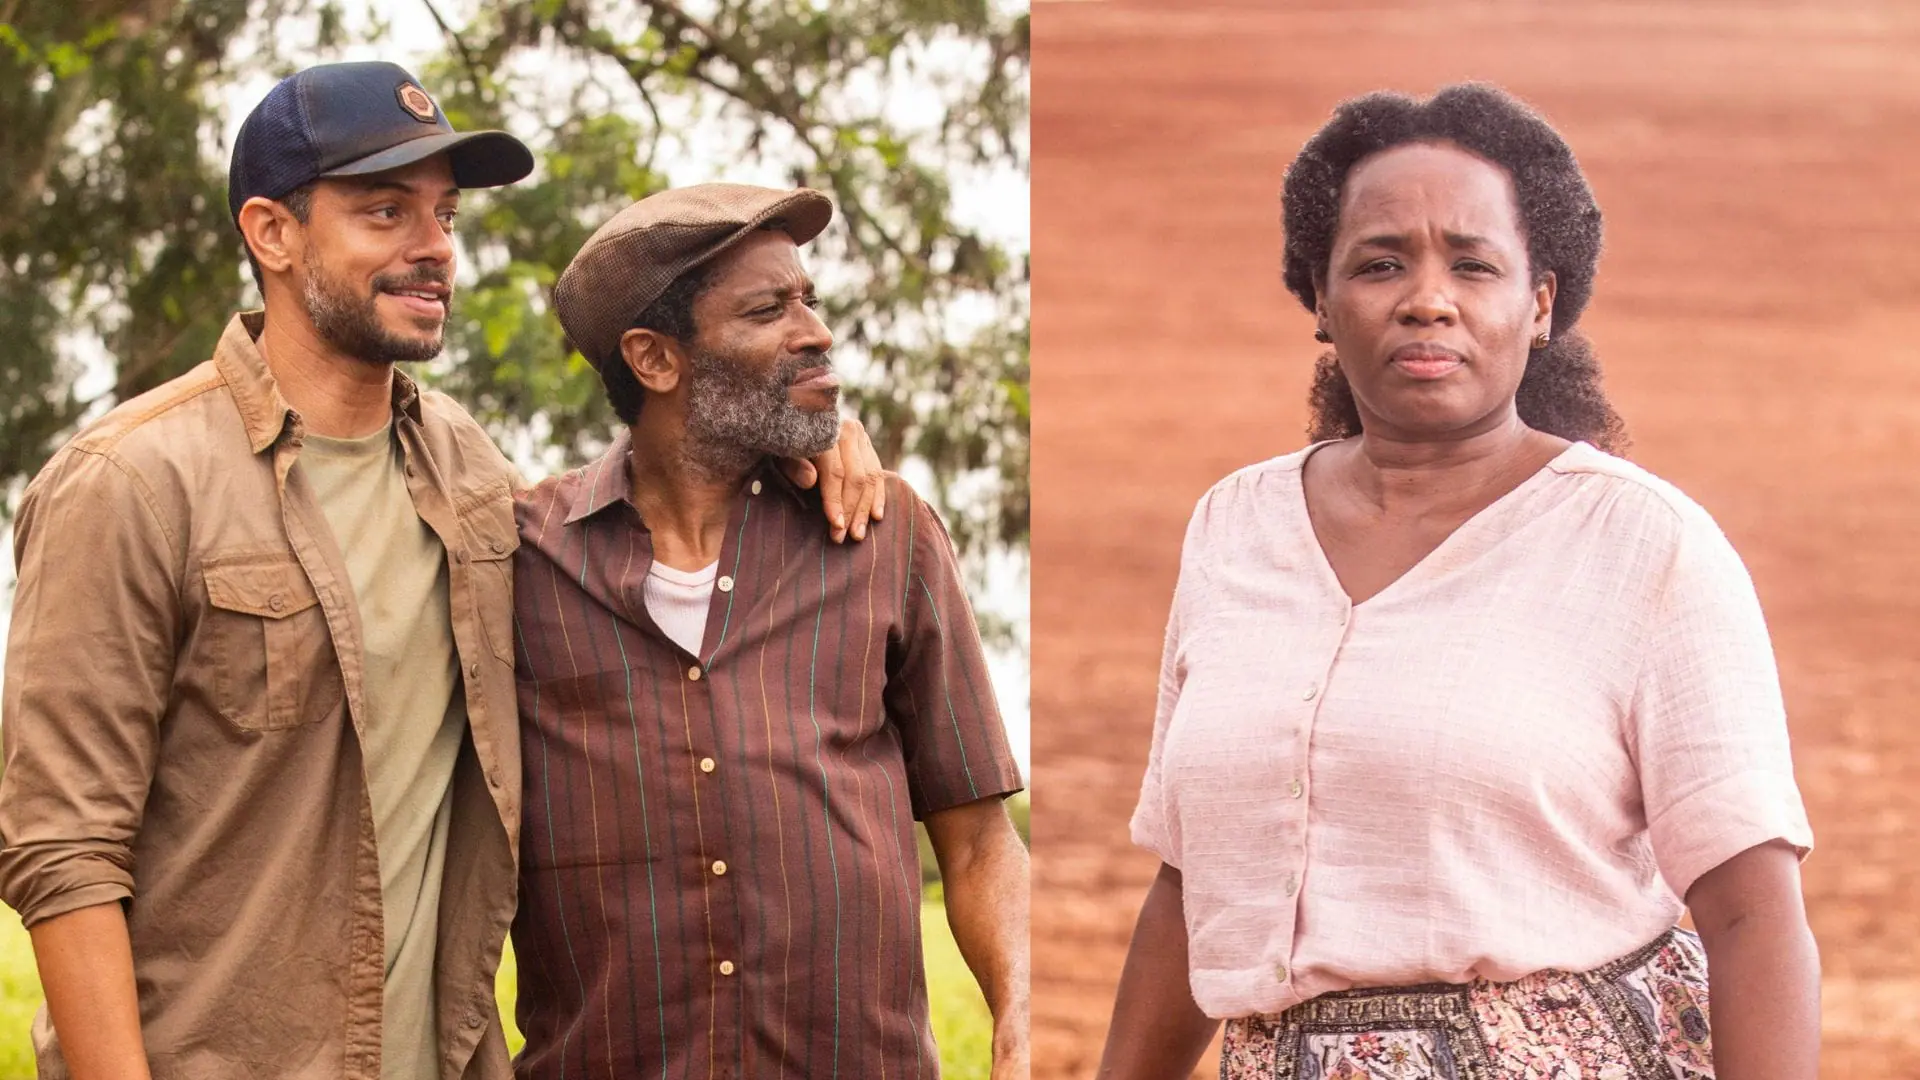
609, 480
263, 411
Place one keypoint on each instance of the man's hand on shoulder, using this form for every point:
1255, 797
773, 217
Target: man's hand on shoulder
853, 490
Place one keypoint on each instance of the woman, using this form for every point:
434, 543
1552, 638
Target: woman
1456, 707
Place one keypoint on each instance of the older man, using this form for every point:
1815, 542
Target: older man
730, 724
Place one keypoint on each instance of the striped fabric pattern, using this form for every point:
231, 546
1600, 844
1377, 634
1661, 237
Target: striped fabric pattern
719, 876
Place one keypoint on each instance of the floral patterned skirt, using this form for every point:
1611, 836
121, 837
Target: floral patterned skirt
1642, 1017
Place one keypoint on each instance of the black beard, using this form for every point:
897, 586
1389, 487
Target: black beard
734, 416
352, 324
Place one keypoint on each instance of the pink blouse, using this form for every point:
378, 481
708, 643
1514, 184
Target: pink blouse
1518, 756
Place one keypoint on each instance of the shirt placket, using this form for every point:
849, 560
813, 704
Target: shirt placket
1307, 698
432, 501
709, 785
366, 960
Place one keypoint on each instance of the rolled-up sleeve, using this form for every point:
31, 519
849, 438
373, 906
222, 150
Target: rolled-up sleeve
89, 665
1710, 727
938, 691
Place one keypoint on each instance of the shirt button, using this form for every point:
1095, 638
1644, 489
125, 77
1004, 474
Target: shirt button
706, 764
409, 470
1280, 972
1293, 884
756, 487
473, 670
460, 556
1294, 789
1310, 693
725, 583
693, 673
475, 1020
719, 867
497, 546
276, 602
726, 967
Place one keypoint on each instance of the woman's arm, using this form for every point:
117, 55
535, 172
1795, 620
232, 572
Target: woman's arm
1157, 1031
1762, 968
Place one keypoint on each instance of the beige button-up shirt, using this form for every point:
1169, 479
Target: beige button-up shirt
1518, 756
181, 726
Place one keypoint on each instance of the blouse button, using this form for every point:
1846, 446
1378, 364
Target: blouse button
1294, 789
1280, 972
1310, 693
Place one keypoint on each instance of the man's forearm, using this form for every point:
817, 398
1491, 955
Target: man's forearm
984, 871
86, 969
988, 909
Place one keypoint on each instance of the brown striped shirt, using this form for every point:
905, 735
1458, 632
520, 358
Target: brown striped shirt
719, 876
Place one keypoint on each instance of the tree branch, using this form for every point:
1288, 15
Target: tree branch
474, 70
755, 93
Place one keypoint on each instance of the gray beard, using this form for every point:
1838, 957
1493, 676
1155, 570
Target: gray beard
352, 323
735, 417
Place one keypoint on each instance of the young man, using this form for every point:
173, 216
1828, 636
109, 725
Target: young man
262, 799
729, 723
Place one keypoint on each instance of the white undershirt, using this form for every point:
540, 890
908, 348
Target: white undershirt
678, 600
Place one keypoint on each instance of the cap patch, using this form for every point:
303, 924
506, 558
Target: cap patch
416, 102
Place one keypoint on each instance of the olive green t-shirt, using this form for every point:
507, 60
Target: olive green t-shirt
414, 720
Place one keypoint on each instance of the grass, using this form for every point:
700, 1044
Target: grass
19, 999
960, 1020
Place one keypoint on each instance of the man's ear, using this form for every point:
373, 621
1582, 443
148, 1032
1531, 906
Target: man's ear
655, 359
272, 234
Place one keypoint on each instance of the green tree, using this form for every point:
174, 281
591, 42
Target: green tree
115, 239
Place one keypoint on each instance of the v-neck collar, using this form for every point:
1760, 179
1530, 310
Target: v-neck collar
1467, 542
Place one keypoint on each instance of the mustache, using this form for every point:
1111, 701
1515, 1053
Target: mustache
801, 361
420, 275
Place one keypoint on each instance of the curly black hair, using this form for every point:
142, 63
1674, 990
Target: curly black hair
1560, 392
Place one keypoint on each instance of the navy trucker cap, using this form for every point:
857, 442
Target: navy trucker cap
353, 119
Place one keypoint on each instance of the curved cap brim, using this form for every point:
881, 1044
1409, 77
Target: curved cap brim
804, 215
480, 159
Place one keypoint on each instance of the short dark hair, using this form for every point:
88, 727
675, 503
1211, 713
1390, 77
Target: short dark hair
1560, 392
671, 313
299, 203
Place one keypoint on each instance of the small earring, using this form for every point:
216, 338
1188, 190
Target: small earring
1540, 340
1322, 336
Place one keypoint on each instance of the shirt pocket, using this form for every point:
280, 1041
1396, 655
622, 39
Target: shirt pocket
490, 537
274, 665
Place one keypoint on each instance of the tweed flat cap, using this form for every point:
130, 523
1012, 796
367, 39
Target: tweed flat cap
628, 262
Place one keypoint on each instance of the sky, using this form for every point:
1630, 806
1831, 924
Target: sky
995, 202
